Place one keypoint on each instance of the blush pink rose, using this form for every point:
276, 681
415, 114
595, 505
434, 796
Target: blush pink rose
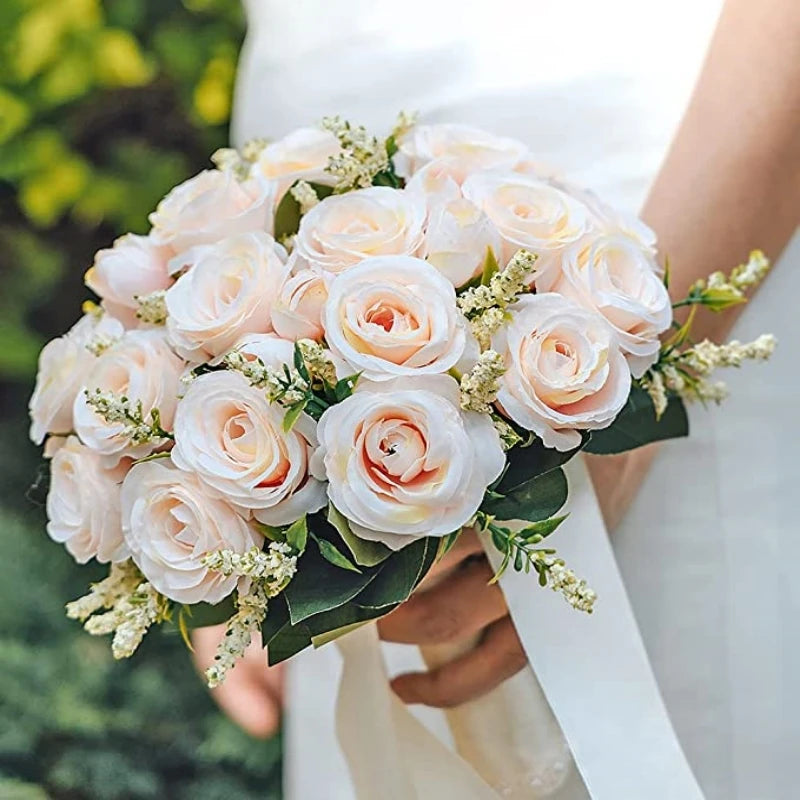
564, 372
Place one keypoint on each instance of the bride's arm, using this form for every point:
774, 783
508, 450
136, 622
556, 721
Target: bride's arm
731, 180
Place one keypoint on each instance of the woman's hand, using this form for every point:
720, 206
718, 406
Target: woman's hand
252, 694
457, 604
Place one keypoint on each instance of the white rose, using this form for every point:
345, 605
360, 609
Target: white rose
530, 214
63, 366
141, 367
617, 277
135, 266
170, 522
83, 511
344, 229
457, 233
297, 312
229, 434
403, 461
394, 315
458, 239
609, 219
564, 370
228, 292
467, 149
210, 206
302, 155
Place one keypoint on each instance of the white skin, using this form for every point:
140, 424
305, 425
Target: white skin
735, 165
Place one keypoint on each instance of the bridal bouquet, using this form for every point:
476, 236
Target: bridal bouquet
331, 354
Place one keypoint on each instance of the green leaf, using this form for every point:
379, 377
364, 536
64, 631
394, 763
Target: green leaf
534, 500
297, 534
293, 414
445, 543
347, 615
287, 215
329, 636
525, 463
277, 618
271, 532
400, 575
365, 553
637, 425
300, 363
288, 639
287, 642
203, 615
344, 387
490, 267
321, 586
541, 529
333, 555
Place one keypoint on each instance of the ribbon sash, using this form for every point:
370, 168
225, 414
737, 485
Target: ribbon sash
593, 670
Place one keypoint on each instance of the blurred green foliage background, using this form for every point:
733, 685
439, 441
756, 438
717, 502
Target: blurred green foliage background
104, 106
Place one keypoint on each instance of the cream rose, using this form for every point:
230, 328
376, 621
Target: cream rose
404, 461
530, 214
302, 155
347, 228
230, 291
394, 315
210, 206
141, 367
297, 311
458, 234
609, 219
617, 277
465, 148
83, 504
458, 238
135, 266
229, 434
63, 366
564, 370
170, 522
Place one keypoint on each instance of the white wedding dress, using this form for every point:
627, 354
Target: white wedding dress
596, 88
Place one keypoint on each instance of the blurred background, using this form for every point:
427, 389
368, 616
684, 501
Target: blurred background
104, 106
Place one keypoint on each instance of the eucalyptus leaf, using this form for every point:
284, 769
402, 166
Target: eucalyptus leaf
536, 499
365, 553
637, 425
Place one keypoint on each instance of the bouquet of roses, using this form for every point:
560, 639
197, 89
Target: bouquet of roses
332, 353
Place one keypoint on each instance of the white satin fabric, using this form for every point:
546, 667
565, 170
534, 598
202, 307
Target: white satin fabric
708, 551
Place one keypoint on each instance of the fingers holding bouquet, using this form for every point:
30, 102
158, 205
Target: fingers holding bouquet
458, 604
